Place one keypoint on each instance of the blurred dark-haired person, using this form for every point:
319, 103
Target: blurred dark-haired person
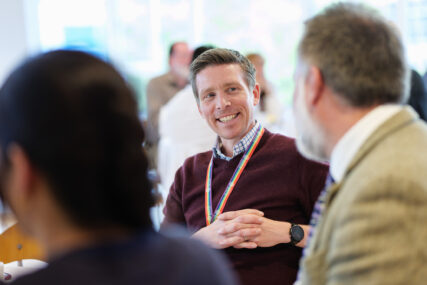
351, 80
74, 173
418, 95
161, 89
253, 193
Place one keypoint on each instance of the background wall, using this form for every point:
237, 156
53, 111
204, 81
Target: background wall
13, 37
135, 34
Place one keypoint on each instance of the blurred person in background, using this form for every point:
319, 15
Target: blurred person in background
161, 89
418, 95
369, 226
269, 111
74, 174
183, 132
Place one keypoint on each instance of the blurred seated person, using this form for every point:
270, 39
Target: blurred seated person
417, 95
74, 174
270, 112
183, 132
161, 89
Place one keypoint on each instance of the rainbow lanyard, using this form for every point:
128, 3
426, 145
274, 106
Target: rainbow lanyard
210, 218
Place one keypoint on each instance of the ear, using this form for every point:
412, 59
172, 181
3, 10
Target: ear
315, 86
198, 108
257, 93
22, 175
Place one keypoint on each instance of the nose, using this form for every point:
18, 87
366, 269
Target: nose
222, 101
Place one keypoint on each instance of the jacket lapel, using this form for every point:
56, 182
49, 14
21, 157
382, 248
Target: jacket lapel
403, 118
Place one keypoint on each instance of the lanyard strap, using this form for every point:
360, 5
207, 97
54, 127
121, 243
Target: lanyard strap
210, 216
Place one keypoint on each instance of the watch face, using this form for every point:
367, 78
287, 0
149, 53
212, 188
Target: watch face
297, 233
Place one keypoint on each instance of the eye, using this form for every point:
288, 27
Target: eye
232, 89
208, 96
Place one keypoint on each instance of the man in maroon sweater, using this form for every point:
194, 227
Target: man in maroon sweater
253, 194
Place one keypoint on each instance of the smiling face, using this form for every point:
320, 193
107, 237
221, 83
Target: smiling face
226, 102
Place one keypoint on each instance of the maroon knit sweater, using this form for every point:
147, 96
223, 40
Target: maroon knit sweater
277, 180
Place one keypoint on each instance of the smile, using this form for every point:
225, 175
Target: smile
227, 118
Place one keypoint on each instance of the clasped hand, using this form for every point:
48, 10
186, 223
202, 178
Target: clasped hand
242, 229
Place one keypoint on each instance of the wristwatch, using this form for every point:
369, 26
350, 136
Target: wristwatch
296, 233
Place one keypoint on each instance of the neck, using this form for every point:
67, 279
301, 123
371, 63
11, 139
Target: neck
340, 125
228, 144
227, 148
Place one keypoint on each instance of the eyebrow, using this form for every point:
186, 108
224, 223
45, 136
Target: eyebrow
226, 84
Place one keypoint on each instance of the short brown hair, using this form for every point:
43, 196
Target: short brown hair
219, 56
361, 56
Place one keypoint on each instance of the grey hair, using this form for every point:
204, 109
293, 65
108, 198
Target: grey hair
360, 55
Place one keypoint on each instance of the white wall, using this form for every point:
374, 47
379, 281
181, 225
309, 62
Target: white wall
13, 43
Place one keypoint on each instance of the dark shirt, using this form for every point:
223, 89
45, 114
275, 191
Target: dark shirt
418, 95
149, 258
277, 180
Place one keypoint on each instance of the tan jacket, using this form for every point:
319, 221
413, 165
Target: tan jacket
374, 227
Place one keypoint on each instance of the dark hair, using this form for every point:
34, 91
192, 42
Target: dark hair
219, 56
360, 55
76, 119
199, 50
418, 95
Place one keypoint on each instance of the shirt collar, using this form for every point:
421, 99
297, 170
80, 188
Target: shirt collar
238, 148
353, 139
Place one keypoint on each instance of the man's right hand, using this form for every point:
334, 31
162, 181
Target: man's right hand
232, 228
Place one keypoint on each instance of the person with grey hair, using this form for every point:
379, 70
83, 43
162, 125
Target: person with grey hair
252, 194
369, 224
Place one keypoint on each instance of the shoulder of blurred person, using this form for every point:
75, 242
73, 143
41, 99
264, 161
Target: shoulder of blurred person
151, 258
162, 86
159, 91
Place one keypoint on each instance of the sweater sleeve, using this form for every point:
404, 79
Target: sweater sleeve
173, 209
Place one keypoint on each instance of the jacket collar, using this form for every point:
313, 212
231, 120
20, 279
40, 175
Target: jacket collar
401, 119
